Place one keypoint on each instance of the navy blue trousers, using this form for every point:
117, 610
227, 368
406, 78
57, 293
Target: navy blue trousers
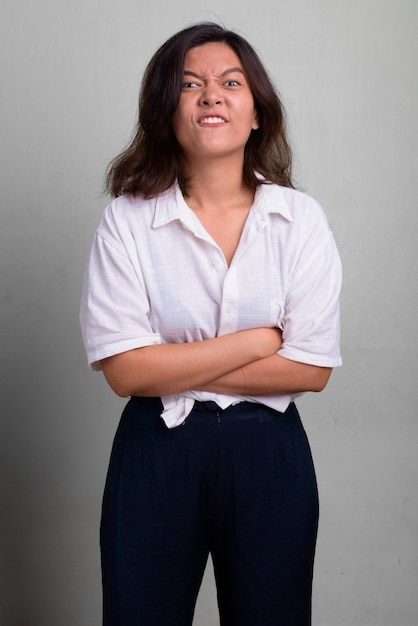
238, 484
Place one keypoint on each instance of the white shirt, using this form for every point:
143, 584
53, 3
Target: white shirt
156, 276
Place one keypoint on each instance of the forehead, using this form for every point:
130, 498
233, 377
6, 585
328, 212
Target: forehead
214, 58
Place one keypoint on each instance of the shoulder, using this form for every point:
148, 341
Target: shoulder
125, 209
125, 218
137, 211
297, 207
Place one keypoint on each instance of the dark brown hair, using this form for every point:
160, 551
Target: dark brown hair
154, 161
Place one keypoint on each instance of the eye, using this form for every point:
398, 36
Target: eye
190, 85
232, 83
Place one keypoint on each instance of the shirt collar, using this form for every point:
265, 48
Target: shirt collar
170, 205
270, 198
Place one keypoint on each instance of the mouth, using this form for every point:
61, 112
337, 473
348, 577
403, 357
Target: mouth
211, 120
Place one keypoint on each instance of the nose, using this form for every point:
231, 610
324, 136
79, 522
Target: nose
211, 95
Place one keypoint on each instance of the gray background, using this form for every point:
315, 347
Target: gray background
70, 71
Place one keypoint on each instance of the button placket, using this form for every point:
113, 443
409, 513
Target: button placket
218, 261
230, 301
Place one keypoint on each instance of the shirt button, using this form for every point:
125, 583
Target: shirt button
230, 309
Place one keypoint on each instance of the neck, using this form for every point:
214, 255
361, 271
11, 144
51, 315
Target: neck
216, 183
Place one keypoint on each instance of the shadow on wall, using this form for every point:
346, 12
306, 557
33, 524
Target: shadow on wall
52, 459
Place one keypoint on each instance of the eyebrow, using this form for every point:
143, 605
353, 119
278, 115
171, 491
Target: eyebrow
230, 70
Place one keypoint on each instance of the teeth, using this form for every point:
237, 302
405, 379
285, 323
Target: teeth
211, 120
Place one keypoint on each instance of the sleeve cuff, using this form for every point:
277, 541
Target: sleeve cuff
309, 358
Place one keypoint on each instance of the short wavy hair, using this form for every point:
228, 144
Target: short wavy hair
153, 161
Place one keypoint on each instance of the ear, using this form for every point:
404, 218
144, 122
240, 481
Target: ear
255, 123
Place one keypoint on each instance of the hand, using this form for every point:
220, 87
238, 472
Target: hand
267, 341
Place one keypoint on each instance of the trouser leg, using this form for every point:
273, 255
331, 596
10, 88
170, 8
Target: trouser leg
265, 531
154, 548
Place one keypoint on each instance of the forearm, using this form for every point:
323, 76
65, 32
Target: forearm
168, 369
271, 376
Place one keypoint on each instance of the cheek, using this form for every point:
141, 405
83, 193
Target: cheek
176, 124
180, 121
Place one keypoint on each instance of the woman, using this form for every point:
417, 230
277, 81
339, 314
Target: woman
211, 299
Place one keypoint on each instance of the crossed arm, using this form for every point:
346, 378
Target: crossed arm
242, 363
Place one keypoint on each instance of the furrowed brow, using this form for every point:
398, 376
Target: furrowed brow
230, 70
190, 73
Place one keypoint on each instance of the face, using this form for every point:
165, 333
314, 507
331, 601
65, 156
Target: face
215, 113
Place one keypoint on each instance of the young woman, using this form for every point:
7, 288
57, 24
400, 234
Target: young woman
211, 299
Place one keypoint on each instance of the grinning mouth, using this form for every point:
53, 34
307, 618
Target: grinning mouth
211, 119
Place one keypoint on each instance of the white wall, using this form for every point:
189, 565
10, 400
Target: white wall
70, 73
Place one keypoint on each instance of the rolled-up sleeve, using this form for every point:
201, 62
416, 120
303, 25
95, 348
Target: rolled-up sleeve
312, 314
114, 313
